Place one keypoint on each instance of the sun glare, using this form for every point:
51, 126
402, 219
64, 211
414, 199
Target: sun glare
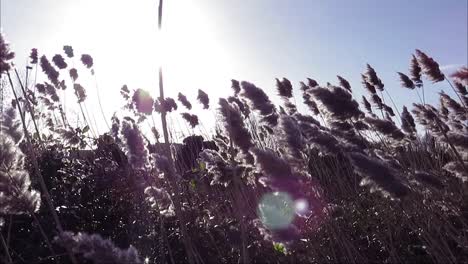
124, 40
127, 31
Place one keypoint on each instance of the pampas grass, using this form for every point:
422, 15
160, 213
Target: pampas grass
235, 85
5, 55
344, 83
407, 122
203, 99
429, 67
143, 101
363, 189
184, 101
260, 102
415, 71
191, 119
284, 88
49, 70
337, 102
97, 249
16, 195
136, 149
68, 51
59, 61
234, 125
406, 81
87, 60
379, 176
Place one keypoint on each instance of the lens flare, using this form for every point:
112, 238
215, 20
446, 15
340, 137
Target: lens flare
276, 210
301, 206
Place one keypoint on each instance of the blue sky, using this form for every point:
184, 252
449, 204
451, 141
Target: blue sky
208, 42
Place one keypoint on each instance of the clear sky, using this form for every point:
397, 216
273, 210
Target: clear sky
208, 42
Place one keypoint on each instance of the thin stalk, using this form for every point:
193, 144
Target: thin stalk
27, 77
5, 247
161, 84
96, 131
44, 235
28, 105
455, 91
394, 105
86, 121
33, 214
424, 98
99, 101
37, 171
419, 96
459, 158
10, 224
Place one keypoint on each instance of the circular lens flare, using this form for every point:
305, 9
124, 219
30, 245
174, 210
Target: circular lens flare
276, 210
301, 206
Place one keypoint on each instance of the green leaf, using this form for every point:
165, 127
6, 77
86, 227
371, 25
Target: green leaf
202, 166
193, 184
279, 247
85, 129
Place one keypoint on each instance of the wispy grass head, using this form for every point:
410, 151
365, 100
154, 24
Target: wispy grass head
243, 106
136, 149
203, 99
191, 119
405, 81
461, 75
415, 71
143, 101
344, 83
461, 89
87, 60
457, 169
10, 125
234, 125
430, 67
97, 249
310, 103
278, 172
184, 101
34, 56
380, 176
369, 87
169, 104
284, 88
73, 74
80, 92
407, 122
373, 78
385, 127
429, 179
16, 195
388, 109
59, 62
366, 104
292, 136
68, 51
453, 105
377, 101
428, 116
235, 85
5, 55
311, 82
49, 70
337, 101
260, 102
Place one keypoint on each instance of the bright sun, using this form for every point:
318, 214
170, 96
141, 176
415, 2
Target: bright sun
128, 49
127, 30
